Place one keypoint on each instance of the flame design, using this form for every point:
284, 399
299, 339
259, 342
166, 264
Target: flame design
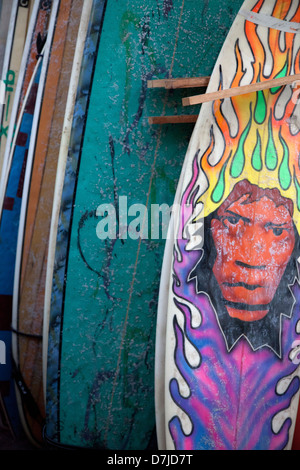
264, 144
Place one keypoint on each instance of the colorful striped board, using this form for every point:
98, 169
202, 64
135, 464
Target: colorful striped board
12, 181
29, 281
6, 9
228, 318
101, 292
36, 33
18, 26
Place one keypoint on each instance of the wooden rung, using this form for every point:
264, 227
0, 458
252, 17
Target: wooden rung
172, 83
235, 91
179, 119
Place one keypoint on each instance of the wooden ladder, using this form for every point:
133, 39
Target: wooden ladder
201, 82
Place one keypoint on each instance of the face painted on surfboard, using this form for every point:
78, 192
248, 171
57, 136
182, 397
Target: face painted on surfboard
254, 241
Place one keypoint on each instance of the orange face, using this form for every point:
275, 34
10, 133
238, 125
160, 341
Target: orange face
254, 242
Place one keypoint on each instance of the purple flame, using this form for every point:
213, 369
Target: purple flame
233, 398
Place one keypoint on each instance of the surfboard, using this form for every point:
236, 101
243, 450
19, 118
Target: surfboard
18, 26
6, 9
101, 339
229, 300
12, 181
35, 34
31, 259
51, 369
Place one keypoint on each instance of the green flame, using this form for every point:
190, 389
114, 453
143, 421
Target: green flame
260, 112
297, 186
238, 161
271, 152
256, 156
285, 177
283, 72
219, 189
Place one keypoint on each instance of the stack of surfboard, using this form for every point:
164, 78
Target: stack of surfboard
75, 139
85, 181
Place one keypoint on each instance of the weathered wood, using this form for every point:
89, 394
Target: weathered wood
235, 91
179, 119
173, 83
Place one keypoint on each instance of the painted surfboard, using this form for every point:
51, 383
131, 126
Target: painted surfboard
27, 311
101, 288
229, 297
18, 26
79, 88
12, 181
34, 42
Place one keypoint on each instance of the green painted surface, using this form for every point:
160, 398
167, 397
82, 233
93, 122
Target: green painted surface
106, 387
